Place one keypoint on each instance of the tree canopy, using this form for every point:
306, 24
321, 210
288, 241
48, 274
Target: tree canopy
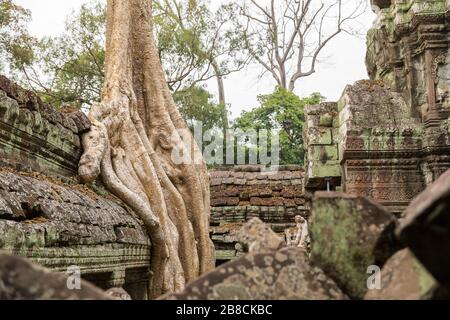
15, 42
283, 111
69, 69
196, 42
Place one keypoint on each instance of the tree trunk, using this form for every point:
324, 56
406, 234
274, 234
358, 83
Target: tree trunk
220, 84
222, 101
136, 131
283, 76
292, 84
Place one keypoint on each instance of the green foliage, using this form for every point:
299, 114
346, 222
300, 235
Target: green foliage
64, 69
69, 69
283, 111
76, 59
15, 42
178, 30
196, 105
195, 43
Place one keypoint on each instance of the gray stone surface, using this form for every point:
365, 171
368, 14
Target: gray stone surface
426, 228
348, 235
259, 237
241, 193
58, 225
35, 136
278, 275
21, 280
403, 277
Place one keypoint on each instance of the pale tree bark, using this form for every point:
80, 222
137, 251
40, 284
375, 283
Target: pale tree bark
136, 130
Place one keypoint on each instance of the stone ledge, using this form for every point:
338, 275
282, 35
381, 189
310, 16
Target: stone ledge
59, 225
35, 137
76, 122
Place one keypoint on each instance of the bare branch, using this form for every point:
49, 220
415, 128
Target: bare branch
287, 36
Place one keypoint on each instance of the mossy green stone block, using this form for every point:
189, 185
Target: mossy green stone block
225, 254
324, 153
404, 278
319, 136
349, 234
326, 120
329, 170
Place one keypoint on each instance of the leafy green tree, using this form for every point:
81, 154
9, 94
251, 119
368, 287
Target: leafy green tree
15, 42
283, 111
67, 68
197, 105
197, 43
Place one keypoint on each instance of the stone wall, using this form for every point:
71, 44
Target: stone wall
34, 136
49, 218
389, 137
244, 192
322, 156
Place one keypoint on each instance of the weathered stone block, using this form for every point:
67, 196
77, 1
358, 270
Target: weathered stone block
215, 182
324, 153
320, 170
426, 228
18, 278
348, 235
326, 120
57, 225
319, 136
403, 277
37, 137
225, 255
271, 196
258, 237
277, 275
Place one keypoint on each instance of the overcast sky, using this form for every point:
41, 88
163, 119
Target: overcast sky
344, 64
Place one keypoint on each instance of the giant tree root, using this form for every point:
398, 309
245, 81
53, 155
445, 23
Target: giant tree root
136, 131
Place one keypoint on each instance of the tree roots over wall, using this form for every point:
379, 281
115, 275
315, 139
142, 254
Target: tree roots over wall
136, 130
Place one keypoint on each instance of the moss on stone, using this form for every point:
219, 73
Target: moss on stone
345, 232
426, 280
350, 260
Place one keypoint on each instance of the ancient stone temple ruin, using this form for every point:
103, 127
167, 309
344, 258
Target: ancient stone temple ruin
383, 143
375, 190
46, 216
387, 138
243, 193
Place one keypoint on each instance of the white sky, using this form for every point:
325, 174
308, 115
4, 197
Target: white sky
344, 64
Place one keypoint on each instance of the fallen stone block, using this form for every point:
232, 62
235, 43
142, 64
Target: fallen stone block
258, 237
403, 277
348, 235
426, 228
118, 294
278, 275
21, 280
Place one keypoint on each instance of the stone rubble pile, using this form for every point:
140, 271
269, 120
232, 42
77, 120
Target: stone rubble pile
355, 243
244, 192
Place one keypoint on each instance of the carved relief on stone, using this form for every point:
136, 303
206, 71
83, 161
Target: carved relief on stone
368, 176
441, 72
397, 123
355, 143
439, 60
395, 193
